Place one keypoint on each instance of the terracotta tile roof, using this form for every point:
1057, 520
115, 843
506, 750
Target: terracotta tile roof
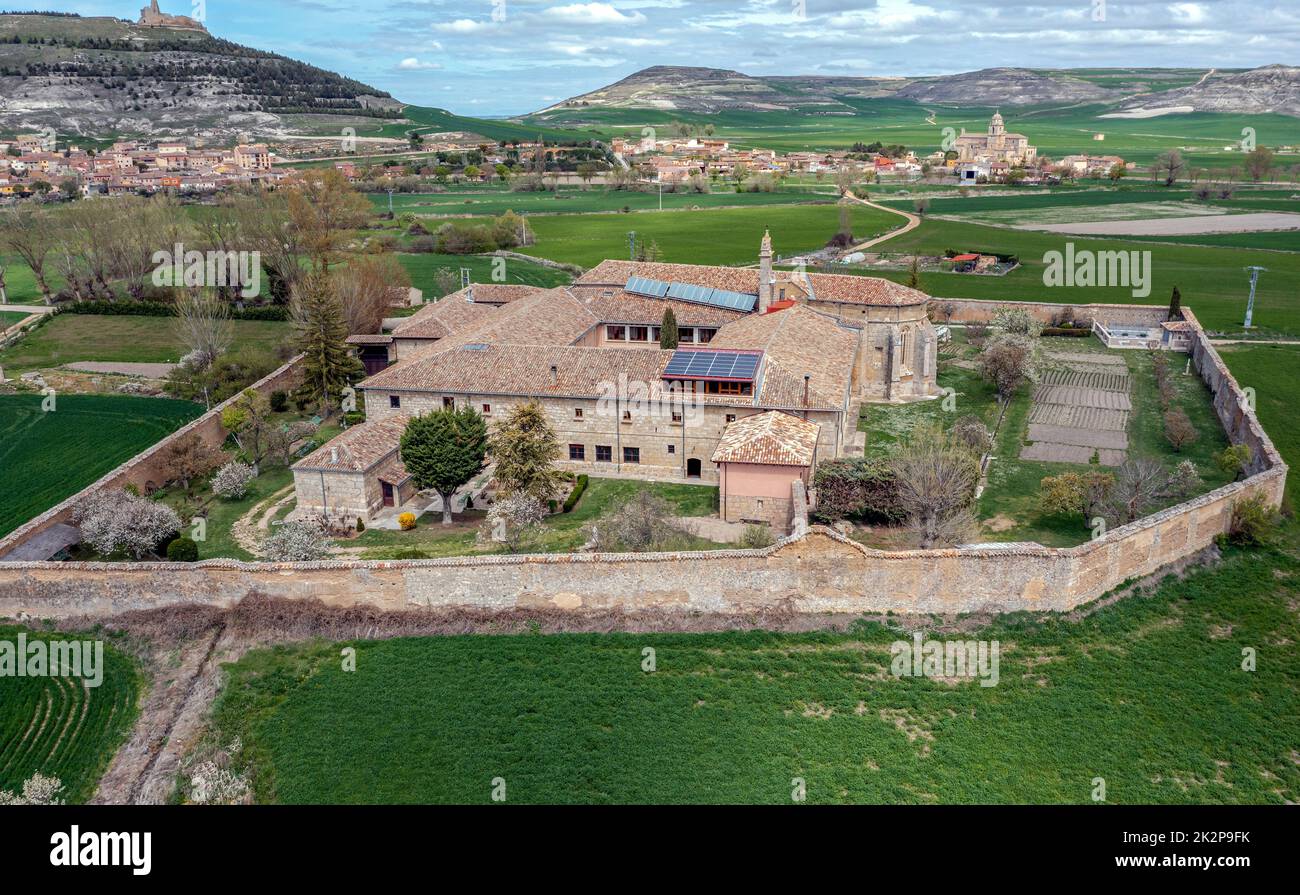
359, 448
442, 318
549, 317
611, 304
369, 339
825, 287
522, 370
797, 342
1180, 326
774, 438
495, 293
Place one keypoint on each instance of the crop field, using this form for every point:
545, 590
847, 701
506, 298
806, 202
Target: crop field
722, 236
578, 201
1077, 214
1148, 694
45, 457
61, 728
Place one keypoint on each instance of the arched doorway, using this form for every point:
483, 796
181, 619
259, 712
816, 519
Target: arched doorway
693, 468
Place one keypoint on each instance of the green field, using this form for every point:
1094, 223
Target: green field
9, 318
70, 338
46, 457
1147, 694
60, 728
722, 236
495, 201
423, 267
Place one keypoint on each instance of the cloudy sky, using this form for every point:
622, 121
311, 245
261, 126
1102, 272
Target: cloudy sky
503, 57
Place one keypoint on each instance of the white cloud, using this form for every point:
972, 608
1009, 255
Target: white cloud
411, 63
593, 14
461, 26
1191, 13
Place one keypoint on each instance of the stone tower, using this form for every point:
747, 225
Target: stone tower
765, 273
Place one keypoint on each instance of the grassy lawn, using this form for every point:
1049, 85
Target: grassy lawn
1271, 371
721, 236
1147, 694
79, 727
495, 200
9, 318
422, 268
46, 457
69, 338
221, 515
563, 532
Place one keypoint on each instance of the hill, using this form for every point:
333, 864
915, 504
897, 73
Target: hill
100, 76
705, 91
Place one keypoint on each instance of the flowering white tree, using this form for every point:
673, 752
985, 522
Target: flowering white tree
115, 521
513, 521
37, 790
232, 480
295, 542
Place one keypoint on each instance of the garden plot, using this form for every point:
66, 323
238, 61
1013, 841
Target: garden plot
1081, 408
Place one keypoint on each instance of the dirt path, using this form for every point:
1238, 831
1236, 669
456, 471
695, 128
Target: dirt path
245, 529
912, 223
143, 772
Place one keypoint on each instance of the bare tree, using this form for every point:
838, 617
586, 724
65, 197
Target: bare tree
368, 287
1138, 485
28, 232
203, 326
936, 477
1169, 167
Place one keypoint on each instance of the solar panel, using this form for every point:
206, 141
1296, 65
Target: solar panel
698, 364
700, 295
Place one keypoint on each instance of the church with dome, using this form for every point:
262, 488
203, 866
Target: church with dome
996, 146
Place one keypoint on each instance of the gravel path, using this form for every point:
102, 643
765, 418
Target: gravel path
1189, 226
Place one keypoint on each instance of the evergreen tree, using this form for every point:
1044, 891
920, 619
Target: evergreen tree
525, 448
1175, 304
914, 273
444, 450
320, 335
668, 330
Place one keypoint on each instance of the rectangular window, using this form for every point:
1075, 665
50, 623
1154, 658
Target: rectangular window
685, 336
616, 333
627, 416
705, 335
577, 413
638, 334
631, 455
731, 418
449, 403
577, 452
655, 333
604, 453
394, 401
677, 416
672, 448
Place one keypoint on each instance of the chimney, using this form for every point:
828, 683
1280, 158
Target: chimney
469, 293
334, 455
765, 273
555, 374
806, 379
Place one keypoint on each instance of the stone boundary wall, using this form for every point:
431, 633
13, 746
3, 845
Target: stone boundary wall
819, 571
978, 310
144, 468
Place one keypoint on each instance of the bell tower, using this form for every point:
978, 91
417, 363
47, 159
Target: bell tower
765, 273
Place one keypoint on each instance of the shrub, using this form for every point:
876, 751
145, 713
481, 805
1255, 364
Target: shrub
182, 550
295, 542
1234, 459
407, 521
579, 486
232, 480
756, 537
279, 401
1254, 523
971, 431
361, 526
639, 525
860, 488
115, 521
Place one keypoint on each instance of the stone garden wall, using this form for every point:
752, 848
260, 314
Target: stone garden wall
819, 571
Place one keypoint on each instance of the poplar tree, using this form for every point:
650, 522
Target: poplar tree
668, 330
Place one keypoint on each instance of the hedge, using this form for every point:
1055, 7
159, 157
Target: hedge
162, 309
575, 495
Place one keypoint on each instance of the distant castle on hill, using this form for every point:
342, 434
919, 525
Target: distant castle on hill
153, 17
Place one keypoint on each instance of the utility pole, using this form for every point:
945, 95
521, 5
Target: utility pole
1250, 305
661, 195
390, 200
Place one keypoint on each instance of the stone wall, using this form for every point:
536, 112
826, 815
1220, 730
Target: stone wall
144, 470
819, 571
975, 310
